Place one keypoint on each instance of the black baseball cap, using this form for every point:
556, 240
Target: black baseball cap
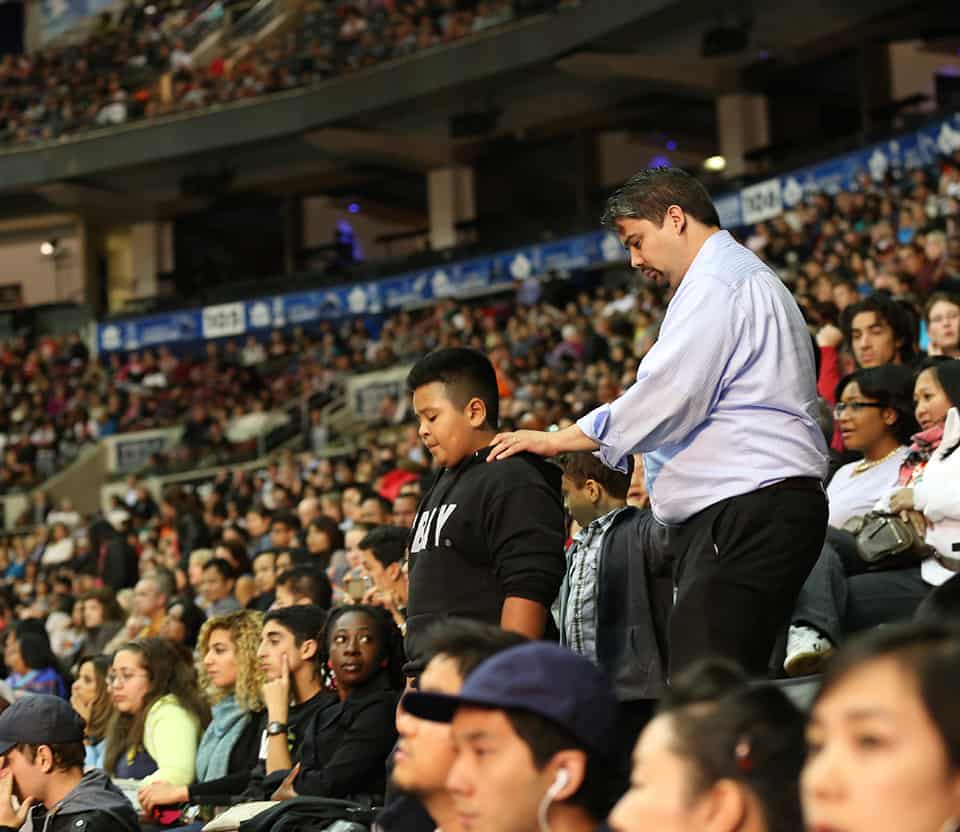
541, 678
39, 720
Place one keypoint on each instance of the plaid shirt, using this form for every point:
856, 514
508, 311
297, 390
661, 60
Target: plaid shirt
576, 607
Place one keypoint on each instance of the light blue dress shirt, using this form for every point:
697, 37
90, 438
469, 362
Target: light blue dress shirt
726, 401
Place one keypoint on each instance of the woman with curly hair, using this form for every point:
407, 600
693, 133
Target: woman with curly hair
231, 678
90, 697
159, 714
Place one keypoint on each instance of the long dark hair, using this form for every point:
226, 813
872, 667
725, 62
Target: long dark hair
101, 709
170, 671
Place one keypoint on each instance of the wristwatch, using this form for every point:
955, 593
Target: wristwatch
274, 728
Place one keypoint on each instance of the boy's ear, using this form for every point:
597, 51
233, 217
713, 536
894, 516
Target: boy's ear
476, 412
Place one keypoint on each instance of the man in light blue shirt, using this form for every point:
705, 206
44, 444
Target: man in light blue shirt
724, 410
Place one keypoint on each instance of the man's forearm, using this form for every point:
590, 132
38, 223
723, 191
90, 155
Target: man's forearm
521, 615
573, 439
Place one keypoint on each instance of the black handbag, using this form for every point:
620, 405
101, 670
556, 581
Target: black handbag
313, 814
887, 541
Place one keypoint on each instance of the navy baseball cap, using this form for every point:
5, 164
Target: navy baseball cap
542, 678
39, 720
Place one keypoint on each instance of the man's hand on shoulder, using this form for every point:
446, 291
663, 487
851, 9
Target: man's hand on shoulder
540, 442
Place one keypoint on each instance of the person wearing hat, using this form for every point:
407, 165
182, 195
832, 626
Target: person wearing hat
534, 730
42, 753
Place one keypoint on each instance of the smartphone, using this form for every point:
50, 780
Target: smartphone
357, 587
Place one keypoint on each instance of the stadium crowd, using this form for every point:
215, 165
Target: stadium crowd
250, 639
138, 62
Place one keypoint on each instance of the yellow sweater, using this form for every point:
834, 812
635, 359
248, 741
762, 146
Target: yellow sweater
170, 735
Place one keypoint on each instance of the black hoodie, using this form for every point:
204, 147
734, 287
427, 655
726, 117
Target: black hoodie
94, 805
483, 533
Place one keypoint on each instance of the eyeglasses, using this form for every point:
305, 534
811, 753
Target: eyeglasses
853, 407
114, 679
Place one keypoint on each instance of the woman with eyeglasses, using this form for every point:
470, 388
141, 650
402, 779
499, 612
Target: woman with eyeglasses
874, 412
159, 714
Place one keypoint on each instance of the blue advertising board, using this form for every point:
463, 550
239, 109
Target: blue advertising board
369, 298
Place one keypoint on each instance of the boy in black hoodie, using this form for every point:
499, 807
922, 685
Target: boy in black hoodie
41, 743
487, 542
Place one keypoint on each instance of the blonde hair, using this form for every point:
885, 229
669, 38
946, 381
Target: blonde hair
244, 627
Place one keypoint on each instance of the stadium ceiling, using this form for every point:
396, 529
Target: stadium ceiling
608, 65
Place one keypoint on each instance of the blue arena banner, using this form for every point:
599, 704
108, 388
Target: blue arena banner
475, 276
770, 198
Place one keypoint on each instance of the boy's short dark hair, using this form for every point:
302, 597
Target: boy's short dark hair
468, 643
305, 622
306, 581
580, 466
387, 543
288, 519
66, 756
465, 374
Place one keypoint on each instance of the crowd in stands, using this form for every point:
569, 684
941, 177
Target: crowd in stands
244, 640
138, 64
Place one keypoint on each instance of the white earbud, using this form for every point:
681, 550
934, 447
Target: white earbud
559, 783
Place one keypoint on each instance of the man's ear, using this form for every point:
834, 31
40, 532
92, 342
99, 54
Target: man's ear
309, 649
675, 219
476, 412
392, 570
44, 758
575, 764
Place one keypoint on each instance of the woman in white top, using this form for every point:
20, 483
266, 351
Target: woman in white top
875, 415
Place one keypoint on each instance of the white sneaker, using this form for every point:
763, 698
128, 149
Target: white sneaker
807, 650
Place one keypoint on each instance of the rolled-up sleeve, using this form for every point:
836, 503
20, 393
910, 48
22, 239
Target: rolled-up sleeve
679, 380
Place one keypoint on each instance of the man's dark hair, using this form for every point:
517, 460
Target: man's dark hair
648, 194
305, 581
387, 543
288, 519
66, 755
468, 643
605, 779
385, 505
465, 374
305, 622
897, 315
269, 552
261, 509
223, 566
581, 466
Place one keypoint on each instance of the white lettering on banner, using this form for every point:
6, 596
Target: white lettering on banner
223, 320
761, 201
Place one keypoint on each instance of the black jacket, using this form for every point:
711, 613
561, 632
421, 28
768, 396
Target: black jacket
483, 533
94, 805
635, 598
345, 747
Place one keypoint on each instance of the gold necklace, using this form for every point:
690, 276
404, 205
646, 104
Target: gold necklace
866, 466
